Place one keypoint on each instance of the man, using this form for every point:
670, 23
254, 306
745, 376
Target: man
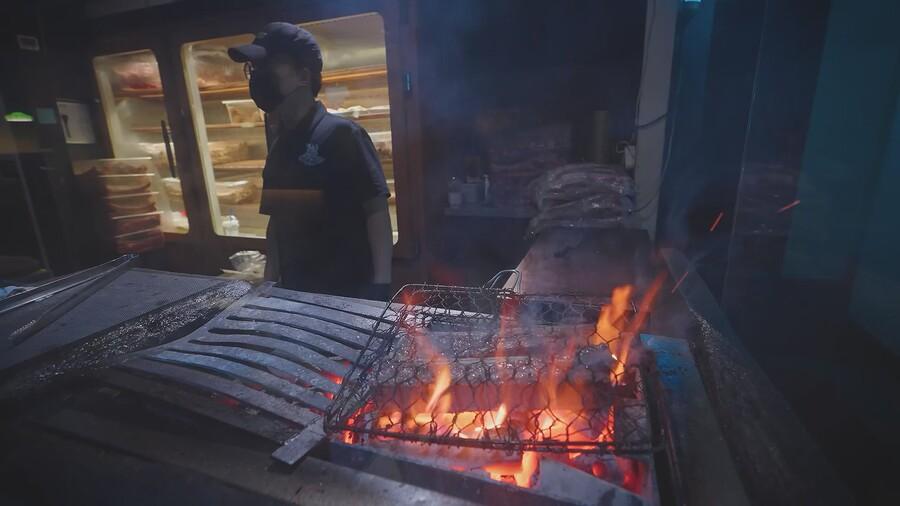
323, 185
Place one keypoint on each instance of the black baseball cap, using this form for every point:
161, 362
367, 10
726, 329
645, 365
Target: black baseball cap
277, 38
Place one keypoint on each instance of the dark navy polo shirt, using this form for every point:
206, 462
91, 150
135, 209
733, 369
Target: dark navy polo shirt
315, 181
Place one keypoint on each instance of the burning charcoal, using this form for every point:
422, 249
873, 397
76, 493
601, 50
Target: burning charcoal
460, 458
604, 466
470, 367
572, 485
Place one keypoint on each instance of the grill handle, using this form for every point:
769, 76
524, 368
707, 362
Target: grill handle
513, 273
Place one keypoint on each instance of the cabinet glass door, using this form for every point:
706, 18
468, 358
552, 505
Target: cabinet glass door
230, 133
141, 183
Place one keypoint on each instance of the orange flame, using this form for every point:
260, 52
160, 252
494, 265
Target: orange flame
441, 384
611, 314
606, 435
494, 419
498, 416
637, 323
522, 472
437, 403
559, 367
558, 406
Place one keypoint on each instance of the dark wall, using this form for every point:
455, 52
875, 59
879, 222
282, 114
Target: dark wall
557, 61
34, 80
577, 56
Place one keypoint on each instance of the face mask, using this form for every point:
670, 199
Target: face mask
264, 91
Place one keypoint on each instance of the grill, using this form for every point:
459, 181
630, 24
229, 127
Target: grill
490, 368
277, 364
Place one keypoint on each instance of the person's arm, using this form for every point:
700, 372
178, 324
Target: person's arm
378, 227
368, 185
273, 271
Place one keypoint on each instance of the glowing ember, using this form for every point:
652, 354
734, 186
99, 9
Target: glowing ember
715, 223
680, 280
228, 401
789, 206
347, 436
334, 378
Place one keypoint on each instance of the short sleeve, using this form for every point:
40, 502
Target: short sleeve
364, 170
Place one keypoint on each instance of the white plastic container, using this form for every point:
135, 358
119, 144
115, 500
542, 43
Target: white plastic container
230, 225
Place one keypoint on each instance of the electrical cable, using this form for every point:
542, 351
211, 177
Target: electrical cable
652, 121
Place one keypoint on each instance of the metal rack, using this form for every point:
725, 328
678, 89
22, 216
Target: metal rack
443, 359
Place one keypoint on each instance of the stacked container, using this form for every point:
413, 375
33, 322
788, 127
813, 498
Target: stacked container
127, 193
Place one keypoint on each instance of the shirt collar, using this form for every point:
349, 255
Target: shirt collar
310, 118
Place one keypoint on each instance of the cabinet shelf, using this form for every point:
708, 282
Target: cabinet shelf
354, 74
364, 116
223, 126
218, 126
242, 165
242, 89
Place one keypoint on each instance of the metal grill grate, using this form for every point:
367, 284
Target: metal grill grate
490, 368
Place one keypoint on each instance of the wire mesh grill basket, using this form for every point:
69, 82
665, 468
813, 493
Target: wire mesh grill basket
491, 368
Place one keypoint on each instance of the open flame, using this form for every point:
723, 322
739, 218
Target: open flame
522, 472
442, 379
557, 407
494, 419
623, 347
611, 316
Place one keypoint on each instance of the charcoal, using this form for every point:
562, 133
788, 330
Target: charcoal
577, 487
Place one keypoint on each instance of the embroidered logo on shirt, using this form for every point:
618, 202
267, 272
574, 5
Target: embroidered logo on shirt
311, 156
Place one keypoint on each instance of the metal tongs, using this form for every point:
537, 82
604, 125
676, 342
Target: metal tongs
93, 280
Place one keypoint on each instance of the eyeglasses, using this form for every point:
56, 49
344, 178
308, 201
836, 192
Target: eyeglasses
248, 70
